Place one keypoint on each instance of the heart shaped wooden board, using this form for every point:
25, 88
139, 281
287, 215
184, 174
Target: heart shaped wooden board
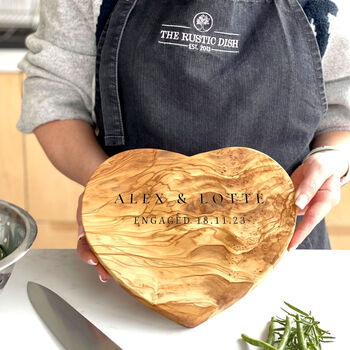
189, 236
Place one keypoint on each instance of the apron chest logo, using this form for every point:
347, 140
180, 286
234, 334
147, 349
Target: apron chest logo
184, 36
203, 21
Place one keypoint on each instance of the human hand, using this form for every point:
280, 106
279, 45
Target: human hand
83, 248
317, 184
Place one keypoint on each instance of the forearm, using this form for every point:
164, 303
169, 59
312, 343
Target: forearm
72, 147
334, 138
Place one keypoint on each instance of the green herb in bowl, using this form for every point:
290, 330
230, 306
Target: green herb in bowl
298, 331
2, 252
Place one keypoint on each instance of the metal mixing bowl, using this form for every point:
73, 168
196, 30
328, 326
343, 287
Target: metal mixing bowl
17, 233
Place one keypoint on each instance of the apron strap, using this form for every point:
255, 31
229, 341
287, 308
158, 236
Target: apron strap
113, 125
106, 8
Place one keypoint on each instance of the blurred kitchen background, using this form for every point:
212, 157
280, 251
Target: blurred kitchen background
28, 179
18, 18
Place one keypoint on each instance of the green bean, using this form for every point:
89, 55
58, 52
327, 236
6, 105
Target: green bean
296, 309
257, 342
300, 333
285, 336
270, 337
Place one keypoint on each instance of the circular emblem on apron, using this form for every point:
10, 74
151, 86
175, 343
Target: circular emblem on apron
203, 21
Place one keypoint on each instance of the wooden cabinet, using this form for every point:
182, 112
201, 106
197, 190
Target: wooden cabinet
28, 179
12, 170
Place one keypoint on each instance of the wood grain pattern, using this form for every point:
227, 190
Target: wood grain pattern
189, 272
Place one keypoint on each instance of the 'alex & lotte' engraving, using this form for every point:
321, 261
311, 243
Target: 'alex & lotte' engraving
216, 198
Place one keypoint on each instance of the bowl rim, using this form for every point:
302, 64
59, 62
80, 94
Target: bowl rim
31, 233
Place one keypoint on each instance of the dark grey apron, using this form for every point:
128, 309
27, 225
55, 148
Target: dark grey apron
191, 76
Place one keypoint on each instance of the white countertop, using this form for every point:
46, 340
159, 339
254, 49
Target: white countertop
309, 279
9, 59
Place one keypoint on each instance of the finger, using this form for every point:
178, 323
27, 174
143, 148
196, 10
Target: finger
315, 174
303, 211
327, 197
102, 273
88, 256
78, 214
85, 253
297, 176
83, 247
81, 232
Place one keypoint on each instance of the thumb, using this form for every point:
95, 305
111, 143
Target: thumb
78, 216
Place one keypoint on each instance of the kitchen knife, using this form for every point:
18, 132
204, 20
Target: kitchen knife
71, 328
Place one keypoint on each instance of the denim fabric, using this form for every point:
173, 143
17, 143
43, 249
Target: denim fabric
265, 91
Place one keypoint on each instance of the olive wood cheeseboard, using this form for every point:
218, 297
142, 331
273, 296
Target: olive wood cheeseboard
189, 236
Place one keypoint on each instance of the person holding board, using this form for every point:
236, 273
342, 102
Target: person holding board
193, 76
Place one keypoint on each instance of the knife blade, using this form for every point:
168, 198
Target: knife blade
72, 329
